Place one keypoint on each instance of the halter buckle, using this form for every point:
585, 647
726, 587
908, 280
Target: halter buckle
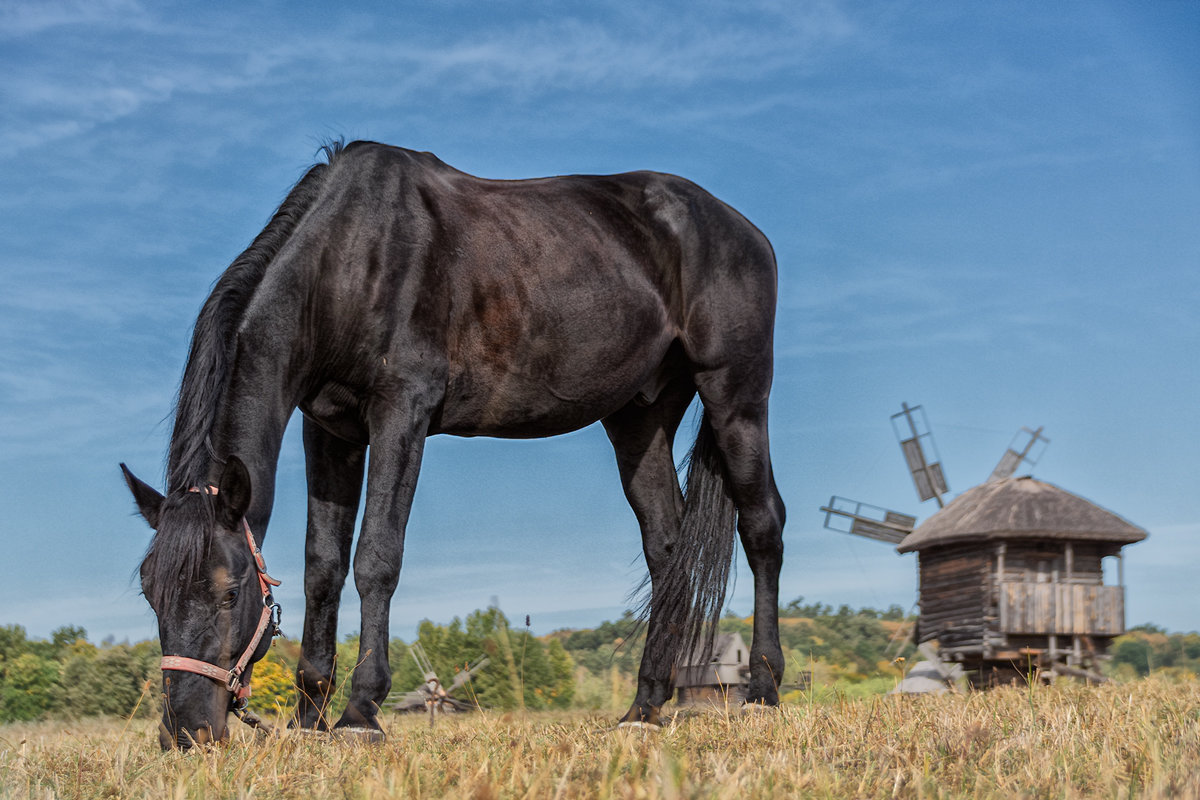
276, 618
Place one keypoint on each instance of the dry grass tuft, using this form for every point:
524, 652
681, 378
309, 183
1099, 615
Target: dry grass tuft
1133, 740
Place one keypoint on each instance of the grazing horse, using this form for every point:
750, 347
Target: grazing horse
392, 297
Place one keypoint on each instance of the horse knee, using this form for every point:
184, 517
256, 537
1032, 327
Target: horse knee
375, 573
324, 574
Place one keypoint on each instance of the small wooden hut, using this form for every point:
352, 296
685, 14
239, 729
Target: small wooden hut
722, 679
1012, 578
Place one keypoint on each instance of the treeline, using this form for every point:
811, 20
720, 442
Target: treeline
841, 647
68, 676
847, 650
1149, 648
523, 671
846, 643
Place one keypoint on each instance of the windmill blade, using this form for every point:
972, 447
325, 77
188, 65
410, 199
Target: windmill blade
465, 675
920, 453
867, 520
453, 704
418, 654
1012, 459
407, 701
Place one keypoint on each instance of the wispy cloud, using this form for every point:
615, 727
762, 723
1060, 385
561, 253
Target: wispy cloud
19, 19
646, 49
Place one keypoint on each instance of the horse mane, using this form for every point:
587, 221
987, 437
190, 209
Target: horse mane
173, 563
214, 337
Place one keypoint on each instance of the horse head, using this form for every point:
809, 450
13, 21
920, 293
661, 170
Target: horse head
203, 576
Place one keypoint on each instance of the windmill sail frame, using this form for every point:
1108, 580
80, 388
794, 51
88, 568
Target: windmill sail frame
920, 453
867, 520
1011, 460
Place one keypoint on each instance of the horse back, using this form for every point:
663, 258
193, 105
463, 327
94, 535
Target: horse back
536, 306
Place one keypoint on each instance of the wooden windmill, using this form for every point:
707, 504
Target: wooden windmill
432, 695
1011, 571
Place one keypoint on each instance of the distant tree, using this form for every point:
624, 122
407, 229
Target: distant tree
542, 673
1148, 648
798, 608
62, 638
1134, 651
562, 674
110, 680
13, 642
273, 685
30, 687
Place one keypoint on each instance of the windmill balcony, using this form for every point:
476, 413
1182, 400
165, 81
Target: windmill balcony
1028, 607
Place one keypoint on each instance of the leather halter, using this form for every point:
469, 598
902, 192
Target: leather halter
231, 678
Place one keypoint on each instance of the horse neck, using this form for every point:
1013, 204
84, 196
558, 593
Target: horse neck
250, 425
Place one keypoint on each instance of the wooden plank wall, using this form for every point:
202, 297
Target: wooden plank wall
1057, 608
955, 583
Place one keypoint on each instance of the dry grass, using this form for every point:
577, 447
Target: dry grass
1135, 740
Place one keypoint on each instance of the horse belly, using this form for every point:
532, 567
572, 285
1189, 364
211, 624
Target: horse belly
536, 380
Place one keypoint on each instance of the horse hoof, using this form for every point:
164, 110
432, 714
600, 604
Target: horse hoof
638, 724
307, 732
756, 709
360, 733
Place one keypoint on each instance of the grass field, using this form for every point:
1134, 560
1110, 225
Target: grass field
1135, 740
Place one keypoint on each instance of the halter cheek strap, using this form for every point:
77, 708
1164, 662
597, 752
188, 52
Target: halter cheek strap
231, 678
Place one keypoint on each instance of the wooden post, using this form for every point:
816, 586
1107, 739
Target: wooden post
1068, 591
1000, 550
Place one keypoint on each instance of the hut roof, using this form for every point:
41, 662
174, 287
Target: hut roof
1020, 508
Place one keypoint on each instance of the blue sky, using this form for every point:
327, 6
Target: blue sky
991, 209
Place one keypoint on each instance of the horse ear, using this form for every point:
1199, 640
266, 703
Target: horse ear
233, 497
149, 501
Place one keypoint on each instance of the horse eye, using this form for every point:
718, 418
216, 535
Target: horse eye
229, 599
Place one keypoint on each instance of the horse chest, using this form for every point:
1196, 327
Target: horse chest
338, 409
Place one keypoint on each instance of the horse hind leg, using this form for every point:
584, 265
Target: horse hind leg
643, 437
735, 404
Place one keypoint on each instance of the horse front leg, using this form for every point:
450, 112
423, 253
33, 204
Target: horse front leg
335, 471
393, 464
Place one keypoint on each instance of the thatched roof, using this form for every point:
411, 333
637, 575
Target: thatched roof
1020, 508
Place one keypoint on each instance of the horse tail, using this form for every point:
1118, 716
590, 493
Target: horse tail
689, 596
214, 337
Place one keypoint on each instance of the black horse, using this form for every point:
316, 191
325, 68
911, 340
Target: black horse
392, 297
